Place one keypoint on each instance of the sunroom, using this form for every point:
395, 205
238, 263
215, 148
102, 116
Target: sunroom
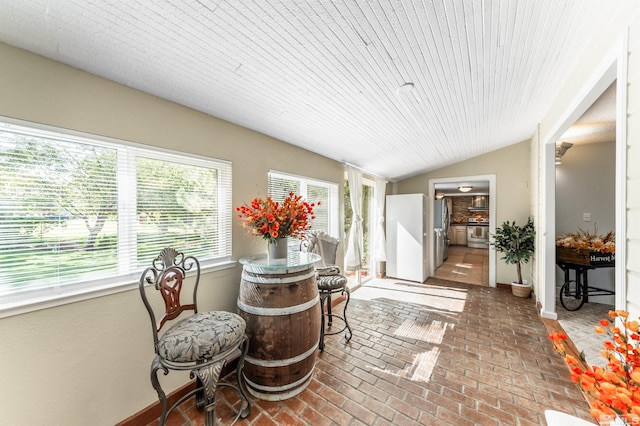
255, 98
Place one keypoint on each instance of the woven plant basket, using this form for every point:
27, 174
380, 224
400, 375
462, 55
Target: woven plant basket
520, 290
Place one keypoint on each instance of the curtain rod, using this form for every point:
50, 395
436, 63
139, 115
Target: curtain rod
363, 170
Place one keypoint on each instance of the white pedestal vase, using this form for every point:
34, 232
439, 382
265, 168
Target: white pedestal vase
278, 250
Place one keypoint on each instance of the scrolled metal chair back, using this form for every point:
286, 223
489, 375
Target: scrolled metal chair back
166, 275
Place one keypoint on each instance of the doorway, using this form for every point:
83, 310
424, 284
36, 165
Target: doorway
585, 214
464, 264
547, 271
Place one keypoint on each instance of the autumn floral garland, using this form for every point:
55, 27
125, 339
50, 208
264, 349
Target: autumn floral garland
272, 220
615, 389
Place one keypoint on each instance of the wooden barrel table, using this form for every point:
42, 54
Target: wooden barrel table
280, 303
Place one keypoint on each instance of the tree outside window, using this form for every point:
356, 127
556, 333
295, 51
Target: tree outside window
75, 210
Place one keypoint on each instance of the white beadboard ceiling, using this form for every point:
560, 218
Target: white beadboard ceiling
396, 88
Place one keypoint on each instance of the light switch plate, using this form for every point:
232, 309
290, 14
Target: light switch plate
586, 217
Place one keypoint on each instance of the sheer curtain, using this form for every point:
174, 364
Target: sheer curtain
354, 245
379, 242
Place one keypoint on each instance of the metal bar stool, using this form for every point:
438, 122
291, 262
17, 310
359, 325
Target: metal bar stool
330, 281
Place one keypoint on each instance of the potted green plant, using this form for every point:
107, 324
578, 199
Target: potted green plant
517, 244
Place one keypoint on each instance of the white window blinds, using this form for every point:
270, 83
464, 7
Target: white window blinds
313, 191
79, 209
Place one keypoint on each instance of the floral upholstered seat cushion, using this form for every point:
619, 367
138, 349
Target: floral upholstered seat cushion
331, 282
201, 336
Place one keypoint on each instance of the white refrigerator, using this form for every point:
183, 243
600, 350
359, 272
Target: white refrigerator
407, 237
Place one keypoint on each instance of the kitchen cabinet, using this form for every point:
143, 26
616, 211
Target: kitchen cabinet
458, 235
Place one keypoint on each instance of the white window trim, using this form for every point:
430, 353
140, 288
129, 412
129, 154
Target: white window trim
38, 299
50, 298
334, 210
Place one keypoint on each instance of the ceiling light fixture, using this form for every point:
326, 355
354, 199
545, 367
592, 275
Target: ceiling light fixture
465, 188
439, 196
406, 88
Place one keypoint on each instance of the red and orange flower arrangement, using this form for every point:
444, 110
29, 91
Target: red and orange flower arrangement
272, 220
614, 390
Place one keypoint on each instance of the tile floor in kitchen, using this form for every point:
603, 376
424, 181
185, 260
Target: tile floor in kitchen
466, 265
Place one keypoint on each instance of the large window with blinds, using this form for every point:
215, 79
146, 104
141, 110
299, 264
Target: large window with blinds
313, 191
78, 211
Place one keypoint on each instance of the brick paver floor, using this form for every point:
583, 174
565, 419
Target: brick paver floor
439, 353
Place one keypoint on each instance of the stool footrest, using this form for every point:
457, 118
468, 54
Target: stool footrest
328, 316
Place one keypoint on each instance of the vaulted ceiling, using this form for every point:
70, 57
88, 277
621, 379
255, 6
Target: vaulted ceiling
396, 88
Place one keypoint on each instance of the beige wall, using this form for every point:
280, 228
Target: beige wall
87, 363
510, 165
534, 209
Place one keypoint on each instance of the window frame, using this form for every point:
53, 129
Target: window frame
40, 298
333, 208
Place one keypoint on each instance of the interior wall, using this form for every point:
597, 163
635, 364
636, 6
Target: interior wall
631, 134
610, 43
87, 363
511, 167
585, 183
534, 209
